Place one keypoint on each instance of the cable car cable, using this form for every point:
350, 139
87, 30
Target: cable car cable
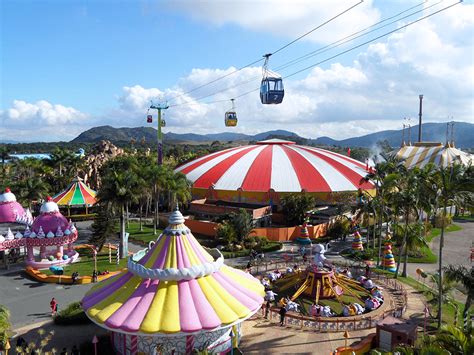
317, 27
274, 52
332, 45
374, 39
351, 37
336, 55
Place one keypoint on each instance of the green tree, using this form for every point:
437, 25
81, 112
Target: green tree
103, 227
4, 325
179, 188
464, 276
445, 297
454, 186
225, 232
4, 156
384, 177
120, 185
295, 206
30, 190
242, 223
455, 340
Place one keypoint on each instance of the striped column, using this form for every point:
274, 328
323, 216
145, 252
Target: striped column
133, 345
189, 344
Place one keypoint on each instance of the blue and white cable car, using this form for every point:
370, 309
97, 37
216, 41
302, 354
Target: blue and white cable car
271, 87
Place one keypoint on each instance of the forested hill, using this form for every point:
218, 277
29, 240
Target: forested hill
433, 132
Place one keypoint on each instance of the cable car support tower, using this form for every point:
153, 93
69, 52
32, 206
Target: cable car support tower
159, 108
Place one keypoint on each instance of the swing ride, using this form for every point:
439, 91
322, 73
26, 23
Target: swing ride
327, 291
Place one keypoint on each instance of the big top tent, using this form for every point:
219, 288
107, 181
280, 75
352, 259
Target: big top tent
423, 153
265, 171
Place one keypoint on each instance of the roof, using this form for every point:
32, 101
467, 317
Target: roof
422, 154
279, 165
10, 209
76, 194
177, 287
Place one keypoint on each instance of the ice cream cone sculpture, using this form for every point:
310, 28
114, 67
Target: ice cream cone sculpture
357, 243
388, 259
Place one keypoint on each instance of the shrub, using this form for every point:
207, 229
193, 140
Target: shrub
257, 243
339, 228
73, 314
439, 219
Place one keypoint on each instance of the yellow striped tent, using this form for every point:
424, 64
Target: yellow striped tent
421, 154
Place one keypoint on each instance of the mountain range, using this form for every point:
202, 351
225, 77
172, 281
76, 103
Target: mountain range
432, 132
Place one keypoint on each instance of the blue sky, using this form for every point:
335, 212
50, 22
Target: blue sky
70, 65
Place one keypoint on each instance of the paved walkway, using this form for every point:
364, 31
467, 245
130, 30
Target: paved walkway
457, 250
267, 337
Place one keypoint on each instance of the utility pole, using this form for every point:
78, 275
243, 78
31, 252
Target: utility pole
159, 107
419, 115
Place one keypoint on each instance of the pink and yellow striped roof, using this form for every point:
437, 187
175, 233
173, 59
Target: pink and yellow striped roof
177, 287
76, 194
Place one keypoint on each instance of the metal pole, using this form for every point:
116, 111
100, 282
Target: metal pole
160, 139
420, 115
159, 134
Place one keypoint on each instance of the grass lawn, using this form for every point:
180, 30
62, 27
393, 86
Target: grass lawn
85, 265
142, 237
448, 311
426, 255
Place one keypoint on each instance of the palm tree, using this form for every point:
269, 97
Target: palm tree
455, 340
455, 185
383, 178
158, 176
4, 155
30, 190
464, 276
180, 188
120, 185
4, 324
445, 296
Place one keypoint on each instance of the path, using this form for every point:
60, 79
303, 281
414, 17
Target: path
457, 250
264, 336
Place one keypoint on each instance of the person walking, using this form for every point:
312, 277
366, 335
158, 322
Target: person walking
282, 315
267, 308
54, 306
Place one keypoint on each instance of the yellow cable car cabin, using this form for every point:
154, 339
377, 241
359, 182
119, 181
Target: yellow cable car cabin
230, 119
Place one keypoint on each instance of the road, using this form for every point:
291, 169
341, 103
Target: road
457, 250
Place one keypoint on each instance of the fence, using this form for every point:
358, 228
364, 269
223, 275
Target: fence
337, 324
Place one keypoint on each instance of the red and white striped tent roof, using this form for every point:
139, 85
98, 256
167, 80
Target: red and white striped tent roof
279, 165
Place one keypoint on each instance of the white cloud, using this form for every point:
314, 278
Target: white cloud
374, 92
284, 18
41, 121
41, 113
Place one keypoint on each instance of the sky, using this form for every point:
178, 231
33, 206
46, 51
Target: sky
67, 66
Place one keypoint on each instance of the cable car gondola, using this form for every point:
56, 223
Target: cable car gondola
231, 116
271, 88
149, 118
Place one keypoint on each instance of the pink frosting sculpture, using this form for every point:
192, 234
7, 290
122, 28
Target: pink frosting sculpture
50, 219
9, 208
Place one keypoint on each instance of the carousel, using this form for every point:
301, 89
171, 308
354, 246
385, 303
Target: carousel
76, 196
50, 232
178, 298
13, 219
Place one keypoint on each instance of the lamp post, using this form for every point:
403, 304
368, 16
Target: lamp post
159, 107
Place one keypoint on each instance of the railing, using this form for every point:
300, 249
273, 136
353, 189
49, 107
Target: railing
326, 324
